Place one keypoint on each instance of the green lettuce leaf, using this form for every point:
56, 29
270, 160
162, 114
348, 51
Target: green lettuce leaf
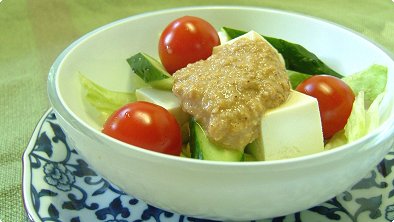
372, 81
360, 122
101, 102
356, 125
296, 78
369, 87
338, 139
372, 114
363, 121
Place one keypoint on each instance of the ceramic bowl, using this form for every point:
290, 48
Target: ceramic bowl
209, 189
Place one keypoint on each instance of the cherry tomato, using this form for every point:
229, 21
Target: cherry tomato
186, 40
145, 125
335, 99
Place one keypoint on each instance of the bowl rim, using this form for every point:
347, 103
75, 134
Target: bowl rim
385, 130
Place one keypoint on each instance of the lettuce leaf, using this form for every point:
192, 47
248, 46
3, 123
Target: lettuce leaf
356, 125
102, 102
372, 81
338, 139
373, 115
363, 121
369, 87
296, 78
360, 122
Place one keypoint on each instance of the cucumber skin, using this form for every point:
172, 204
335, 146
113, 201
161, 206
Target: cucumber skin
254, 150
195, 151
151, 71
201, 148
296, 57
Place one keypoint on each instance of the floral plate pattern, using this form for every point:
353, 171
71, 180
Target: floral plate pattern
58, 185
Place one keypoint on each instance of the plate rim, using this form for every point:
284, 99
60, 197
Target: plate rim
28, 202
27, 177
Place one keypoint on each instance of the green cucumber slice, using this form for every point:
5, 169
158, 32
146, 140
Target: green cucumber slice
203, 149
297, 58
151, 71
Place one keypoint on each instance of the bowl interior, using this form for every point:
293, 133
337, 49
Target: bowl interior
101, 55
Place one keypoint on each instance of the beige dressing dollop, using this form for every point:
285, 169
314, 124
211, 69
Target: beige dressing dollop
229, 92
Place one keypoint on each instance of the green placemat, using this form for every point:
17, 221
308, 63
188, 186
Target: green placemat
34, 32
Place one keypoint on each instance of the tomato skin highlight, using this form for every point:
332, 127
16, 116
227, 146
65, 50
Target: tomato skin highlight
335, 99
186, 40
145, 125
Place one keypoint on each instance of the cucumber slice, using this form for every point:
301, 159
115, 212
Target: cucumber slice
248, 158
296, 57
203, 149
151, 71
164, 84
255, 150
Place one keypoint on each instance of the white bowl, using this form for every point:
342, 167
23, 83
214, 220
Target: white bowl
209, 189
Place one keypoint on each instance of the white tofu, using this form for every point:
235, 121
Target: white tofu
291, 130
252, 35
222, 37
165, 99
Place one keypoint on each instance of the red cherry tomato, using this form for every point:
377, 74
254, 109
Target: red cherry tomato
335, 99
145, 125
186, 40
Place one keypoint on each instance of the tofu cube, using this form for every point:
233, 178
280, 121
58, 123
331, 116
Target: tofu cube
291, 130
165, 99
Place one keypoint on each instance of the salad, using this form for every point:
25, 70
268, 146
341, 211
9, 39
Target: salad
160, 117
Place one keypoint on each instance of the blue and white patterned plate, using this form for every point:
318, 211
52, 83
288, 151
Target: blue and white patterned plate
58, 185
